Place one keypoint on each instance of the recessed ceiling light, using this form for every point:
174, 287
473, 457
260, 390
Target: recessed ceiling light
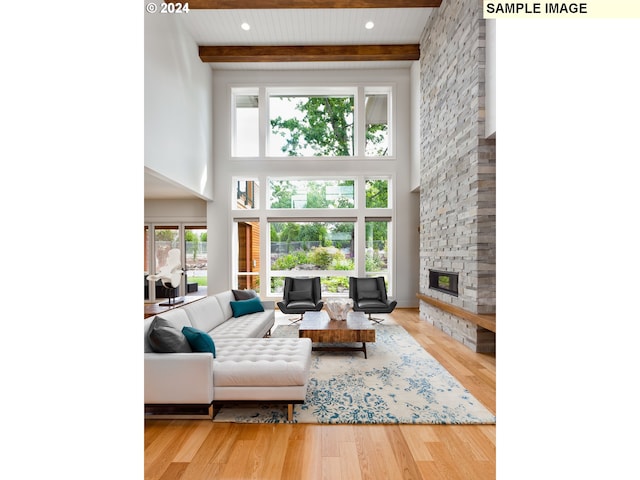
245, 26
368, 25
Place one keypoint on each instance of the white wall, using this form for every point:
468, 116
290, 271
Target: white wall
177, 106
175, 211
219, 214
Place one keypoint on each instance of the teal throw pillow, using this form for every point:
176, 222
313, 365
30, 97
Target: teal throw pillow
199, 340
244, 307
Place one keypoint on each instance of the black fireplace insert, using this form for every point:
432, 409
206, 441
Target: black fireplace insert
446, 282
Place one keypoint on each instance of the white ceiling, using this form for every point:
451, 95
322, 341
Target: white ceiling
297, 27
308, 27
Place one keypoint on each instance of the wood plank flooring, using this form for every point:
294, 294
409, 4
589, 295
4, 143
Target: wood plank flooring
201, 449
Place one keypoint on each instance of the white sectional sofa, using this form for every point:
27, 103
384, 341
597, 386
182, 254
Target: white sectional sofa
246, 367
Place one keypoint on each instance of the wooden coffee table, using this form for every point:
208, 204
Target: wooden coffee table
321, 329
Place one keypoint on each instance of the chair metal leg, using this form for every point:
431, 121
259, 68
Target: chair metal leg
296, 320
376, 320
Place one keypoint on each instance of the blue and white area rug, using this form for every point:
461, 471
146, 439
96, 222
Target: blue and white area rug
399, 383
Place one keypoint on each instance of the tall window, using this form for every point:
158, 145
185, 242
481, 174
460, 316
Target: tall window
195, 249
296, 224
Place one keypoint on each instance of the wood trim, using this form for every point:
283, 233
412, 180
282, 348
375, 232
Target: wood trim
282, 4
309, 53
487, 321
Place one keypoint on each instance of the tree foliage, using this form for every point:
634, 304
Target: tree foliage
281, 194
326, 127
166, 235
377, 193
376, 135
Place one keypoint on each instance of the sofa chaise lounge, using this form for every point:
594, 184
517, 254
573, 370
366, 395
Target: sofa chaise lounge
246, 365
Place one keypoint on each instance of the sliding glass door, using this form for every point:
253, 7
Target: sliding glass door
195, 250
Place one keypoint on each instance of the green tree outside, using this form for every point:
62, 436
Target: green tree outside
326, 127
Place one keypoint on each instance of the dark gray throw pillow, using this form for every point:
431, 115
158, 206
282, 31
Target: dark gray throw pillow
165, 338
244, 294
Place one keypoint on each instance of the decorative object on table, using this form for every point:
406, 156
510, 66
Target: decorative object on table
370, 296
338, 309
300, 295
170, 275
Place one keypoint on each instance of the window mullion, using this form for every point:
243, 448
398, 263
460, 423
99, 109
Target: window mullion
360, 123
360, 237
263, 124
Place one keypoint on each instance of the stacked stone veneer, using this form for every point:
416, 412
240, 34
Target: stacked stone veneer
457, 170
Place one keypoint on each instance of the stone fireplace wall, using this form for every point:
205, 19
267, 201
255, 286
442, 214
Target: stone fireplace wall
457, 170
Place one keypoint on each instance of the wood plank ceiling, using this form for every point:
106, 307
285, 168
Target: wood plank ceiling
309, 53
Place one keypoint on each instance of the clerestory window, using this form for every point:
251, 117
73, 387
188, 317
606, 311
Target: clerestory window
312, 122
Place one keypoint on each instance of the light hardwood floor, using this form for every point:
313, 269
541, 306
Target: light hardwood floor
201, 449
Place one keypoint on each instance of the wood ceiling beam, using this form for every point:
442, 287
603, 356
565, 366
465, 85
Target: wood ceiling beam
309, 53
277, 4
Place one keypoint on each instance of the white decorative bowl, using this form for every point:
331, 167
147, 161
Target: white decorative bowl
338, 309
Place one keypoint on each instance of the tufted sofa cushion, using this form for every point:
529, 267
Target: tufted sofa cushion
256, 362
254, 325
